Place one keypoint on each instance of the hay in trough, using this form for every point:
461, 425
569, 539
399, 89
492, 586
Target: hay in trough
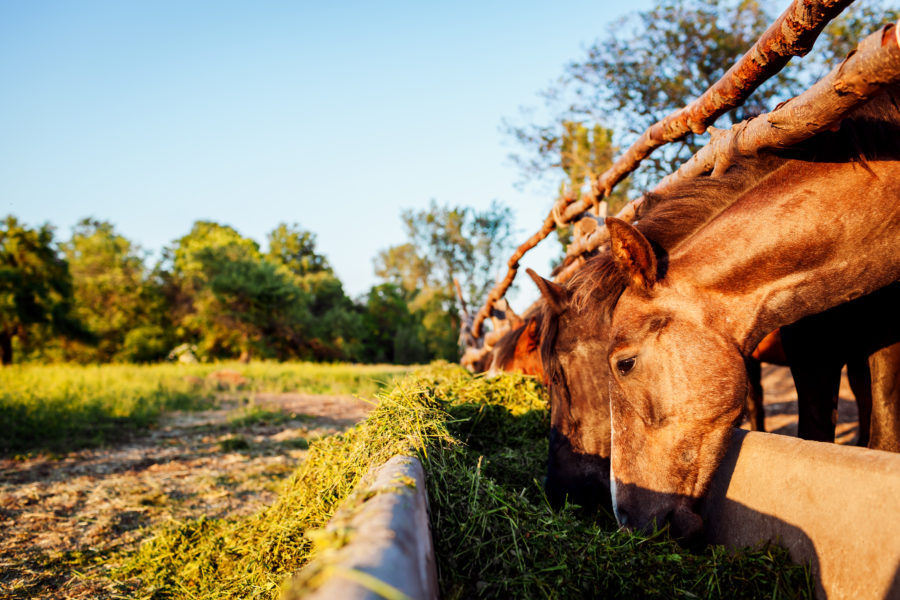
483, 445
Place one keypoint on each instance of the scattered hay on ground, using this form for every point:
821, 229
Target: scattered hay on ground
483, 444
68, 521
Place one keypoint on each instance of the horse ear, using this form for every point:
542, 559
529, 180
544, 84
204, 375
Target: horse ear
556, 295
633, 254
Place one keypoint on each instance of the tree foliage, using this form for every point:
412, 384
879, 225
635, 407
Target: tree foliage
446, 242
93, 298
295, 248
654, 62
396, 334
233, 299
109, 289
35, 288
336, 328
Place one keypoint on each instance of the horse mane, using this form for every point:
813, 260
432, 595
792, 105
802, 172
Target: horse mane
505, 348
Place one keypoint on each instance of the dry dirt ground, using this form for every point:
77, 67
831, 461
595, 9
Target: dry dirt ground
57, 511
58, 515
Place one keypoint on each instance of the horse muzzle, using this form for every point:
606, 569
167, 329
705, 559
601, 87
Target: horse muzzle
645, 511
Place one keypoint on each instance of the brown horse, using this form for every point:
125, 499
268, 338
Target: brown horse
576, 324
819, 345
811, 229
517, 350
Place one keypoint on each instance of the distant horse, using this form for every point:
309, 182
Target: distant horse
575, 334
517, 351
812, 228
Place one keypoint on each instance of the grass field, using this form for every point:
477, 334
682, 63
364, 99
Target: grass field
57, 408
483, 444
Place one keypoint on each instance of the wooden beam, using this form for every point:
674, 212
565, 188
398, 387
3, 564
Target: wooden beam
874, 65
792, 34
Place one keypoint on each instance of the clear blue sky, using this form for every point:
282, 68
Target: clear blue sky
335, 115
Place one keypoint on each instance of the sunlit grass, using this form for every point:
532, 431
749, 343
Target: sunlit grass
58, 408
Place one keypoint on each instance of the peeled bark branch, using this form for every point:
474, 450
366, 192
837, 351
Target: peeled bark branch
462, 301
873, 65
597, 238
513, 264
792, 34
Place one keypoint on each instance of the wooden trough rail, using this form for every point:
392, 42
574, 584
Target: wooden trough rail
390, 552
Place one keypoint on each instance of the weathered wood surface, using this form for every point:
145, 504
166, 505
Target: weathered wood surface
874, 65
792, 34
391, 549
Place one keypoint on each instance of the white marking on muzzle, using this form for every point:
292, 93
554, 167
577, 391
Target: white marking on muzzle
612, 478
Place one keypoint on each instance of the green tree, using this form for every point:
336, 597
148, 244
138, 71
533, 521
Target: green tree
583, 153
35, 288
108, 282
250, 305
394, 333
152, 336
446, 242
404, 266
337, 326
296, 249
233, 301
336, 323
649, 64
654, 62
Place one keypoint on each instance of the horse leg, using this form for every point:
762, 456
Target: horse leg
755, 411
817, 377
861, 383
817, 395
885, 367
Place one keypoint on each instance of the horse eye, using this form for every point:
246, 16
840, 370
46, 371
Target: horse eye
625, 365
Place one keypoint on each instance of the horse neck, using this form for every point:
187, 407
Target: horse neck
795, 245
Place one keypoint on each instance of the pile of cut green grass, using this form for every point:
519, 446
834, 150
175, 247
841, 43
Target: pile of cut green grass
483, 444
58, 408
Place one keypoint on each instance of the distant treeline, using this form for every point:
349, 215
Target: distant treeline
214, 294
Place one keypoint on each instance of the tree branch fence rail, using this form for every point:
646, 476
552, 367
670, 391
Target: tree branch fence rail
792, 34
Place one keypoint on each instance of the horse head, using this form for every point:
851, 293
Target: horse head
671, 420
571, 349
